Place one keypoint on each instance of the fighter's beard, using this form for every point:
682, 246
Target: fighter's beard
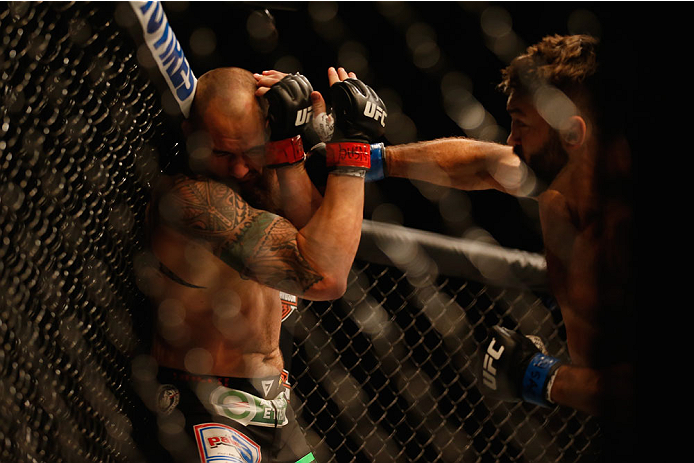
261, 192
548, 161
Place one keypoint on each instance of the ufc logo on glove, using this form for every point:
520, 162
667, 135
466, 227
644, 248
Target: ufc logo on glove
303, 116
489, 375
375, 112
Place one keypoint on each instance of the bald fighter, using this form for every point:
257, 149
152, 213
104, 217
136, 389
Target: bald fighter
239, 234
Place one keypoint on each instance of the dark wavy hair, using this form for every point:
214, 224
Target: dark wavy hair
568, 63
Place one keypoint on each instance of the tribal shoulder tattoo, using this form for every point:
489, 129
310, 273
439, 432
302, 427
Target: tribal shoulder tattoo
258, 244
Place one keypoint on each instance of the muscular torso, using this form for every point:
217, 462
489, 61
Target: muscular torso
588, 258
210, 319
229, 326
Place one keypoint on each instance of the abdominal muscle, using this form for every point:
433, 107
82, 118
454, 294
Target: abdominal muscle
229, 327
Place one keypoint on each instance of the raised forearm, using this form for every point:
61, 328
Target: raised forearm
289, 103
330, 239
312, 262
299, 198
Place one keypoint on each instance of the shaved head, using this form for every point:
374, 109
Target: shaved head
226, 134
229, 92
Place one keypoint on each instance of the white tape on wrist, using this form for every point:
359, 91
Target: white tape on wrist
348, 172
324, 125
550, 383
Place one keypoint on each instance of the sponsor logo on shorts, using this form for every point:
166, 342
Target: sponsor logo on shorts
168, 397
218, 442
267, 386
250, 410
289, 304
284, 380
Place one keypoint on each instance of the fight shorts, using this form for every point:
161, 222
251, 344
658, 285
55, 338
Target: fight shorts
235, 419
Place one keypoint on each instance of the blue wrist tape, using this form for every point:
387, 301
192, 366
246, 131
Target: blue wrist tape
376, 172
535, 379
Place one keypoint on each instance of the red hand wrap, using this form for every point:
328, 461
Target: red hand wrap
284, 152
348, 154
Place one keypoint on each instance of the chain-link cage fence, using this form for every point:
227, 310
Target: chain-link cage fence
384, 374
77, 131
387, 373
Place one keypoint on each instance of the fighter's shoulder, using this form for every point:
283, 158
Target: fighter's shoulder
195, 203
554, 205
192, 187
189, 196
184, 180
551, 197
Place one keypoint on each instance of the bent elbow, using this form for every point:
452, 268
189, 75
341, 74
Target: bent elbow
338, 289
334, 288
329, 288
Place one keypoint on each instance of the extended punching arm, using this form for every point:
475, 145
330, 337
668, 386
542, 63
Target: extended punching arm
360, 118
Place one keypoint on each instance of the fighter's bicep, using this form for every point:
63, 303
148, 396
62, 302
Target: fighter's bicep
258, 244
266, 251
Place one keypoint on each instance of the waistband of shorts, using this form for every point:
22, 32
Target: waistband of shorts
265, 387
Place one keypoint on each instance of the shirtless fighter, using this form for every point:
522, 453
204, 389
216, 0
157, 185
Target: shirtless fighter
558, 130
239, 233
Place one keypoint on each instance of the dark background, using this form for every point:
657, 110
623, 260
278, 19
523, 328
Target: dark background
297, 37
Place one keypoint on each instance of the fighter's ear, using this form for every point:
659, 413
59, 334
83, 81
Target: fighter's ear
573, 133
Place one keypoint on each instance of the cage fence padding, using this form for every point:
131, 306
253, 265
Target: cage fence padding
385, 373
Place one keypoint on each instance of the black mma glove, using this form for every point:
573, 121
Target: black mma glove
289, 113
360, 118
513, 368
